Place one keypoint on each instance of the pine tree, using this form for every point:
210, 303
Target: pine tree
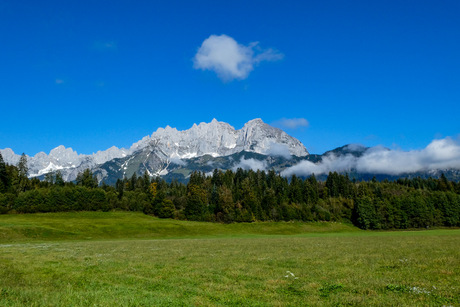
23, 171
3, 175
146, 181
87, 179
59, 181
22, 166
133, 181
196, 202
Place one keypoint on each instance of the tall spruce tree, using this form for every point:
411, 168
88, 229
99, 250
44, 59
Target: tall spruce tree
59, 181
22, 166
87, 179
23, 171
3, 175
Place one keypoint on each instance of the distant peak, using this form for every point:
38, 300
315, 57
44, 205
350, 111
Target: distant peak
168, 128
8, 151
255, 122
60, 148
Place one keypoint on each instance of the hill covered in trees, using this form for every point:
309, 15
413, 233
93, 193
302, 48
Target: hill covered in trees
242, 196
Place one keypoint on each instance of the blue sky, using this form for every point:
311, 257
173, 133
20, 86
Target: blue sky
93, 74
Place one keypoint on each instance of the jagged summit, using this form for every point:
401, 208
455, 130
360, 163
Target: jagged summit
220, 139
255, 121
169, 144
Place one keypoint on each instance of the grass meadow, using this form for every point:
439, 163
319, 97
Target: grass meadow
130, 259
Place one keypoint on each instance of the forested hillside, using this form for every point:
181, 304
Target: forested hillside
241, 196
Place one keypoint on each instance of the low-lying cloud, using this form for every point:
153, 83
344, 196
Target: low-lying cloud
229, 59
438, 155
279, 150
291, 123
250, 164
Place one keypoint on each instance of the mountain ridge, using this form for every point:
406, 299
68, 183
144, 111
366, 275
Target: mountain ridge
175, 154
168, 145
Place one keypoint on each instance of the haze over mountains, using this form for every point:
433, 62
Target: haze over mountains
175, 154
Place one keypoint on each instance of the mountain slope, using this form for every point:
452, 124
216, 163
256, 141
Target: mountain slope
174, 154
164, 147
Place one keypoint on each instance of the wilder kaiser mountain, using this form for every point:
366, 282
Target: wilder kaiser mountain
166, 149
174, 155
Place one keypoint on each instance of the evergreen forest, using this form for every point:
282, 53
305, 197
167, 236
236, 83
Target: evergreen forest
241, 196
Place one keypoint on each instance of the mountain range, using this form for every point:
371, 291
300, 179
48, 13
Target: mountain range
174, 154
165, 150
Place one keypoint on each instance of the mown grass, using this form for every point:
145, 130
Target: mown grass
118, 225
237, 265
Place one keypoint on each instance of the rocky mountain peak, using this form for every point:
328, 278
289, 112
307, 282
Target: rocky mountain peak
167, 144
255, 121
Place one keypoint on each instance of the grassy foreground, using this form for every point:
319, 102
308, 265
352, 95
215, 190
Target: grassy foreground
128, 259
131, 225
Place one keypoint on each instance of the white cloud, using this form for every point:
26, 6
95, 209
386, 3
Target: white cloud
329, 163
291, 123
250, 164
278, 150
438, 155
229, 59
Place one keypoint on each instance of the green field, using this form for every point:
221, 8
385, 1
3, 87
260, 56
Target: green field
130, 259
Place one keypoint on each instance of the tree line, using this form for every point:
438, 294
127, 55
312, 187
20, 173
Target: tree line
241, 196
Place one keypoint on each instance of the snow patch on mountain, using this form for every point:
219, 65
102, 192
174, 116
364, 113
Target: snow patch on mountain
63, 159
220, 139
171, 146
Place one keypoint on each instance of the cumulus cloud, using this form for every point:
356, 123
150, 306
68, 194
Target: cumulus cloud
250, 164
278, 150
438, 155
229, 59
329, 163
291, 123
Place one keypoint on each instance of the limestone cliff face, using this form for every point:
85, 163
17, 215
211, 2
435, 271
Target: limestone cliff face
168, 145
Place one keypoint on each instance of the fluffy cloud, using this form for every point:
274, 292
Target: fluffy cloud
279, 150
438, 155
250, 164
329, 163
229, 59
291, 123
